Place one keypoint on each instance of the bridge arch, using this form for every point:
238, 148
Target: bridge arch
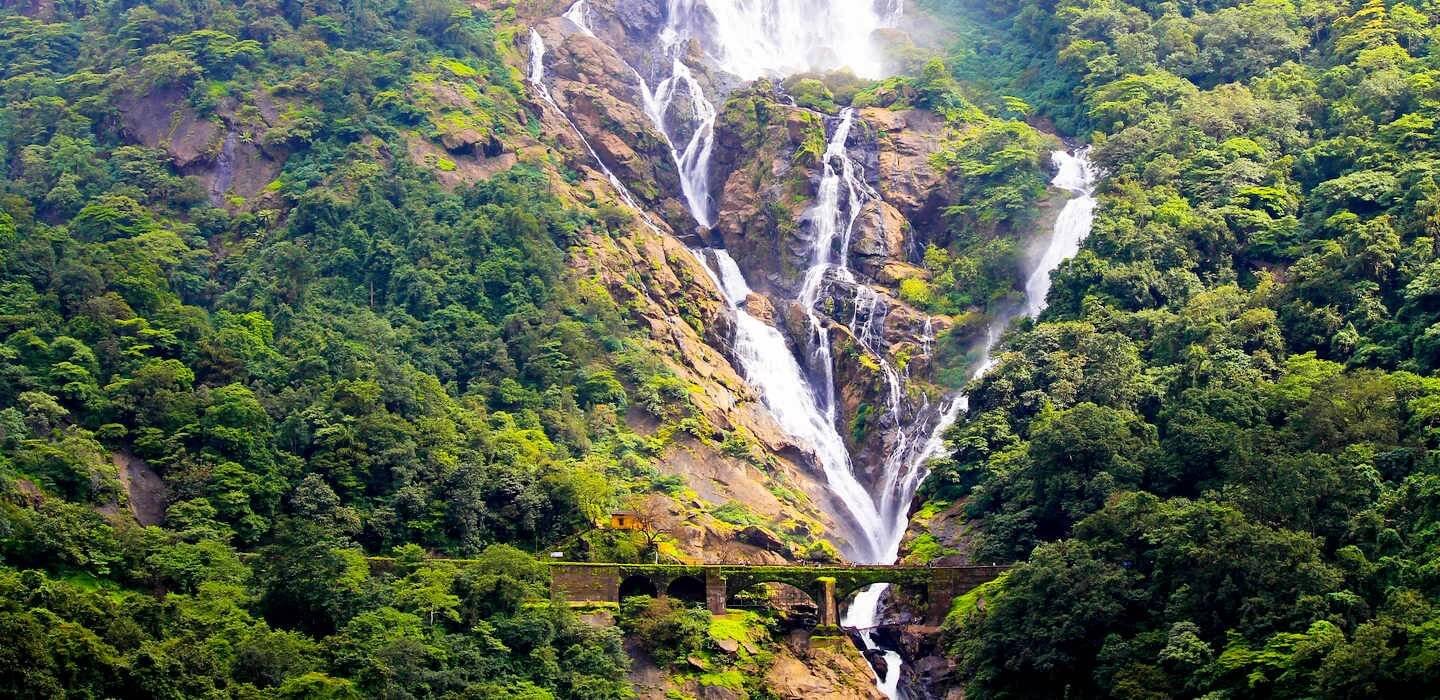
690, 589
637, 585
796, 605
826, 585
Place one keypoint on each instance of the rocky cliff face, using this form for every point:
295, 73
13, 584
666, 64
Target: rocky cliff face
768, 156
765, 168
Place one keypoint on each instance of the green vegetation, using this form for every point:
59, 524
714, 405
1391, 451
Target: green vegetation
1215, 450
701, 650
352, 360
1212, 454
484, 630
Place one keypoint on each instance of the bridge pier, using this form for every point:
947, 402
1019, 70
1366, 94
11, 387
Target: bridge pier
715, 592
829, 611
949, 583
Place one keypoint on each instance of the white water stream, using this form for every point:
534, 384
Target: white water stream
1074, 174
754, 38
759, 38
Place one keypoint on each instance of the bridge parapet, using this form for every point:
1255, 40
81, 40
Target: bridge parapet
936, 585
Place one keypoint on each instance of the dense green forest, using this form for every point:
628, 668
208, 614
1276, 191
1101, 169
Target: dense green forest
1215, 452
362, 360
1211, 454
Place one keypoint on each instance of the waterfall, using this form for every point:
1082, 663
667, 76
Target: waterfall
803, 410
694, 160
761, 350
832, 217
1076, 175
753, 38
576, 15
775, 38
537, 80
768, 364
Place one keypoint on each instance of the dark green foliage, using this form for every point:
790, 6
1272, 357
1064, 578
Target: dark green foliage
1201, 448
358, 359
669, 631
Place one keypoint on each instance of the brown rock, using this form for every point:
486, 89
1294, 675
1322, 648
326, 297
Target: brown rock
145, 492
760, 307
879, 237
836, 672
164, 119
764, 539
907, 180
714, 692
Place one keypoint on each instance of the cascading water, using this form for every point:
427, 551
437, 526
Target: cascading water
1074, 174
832, 217
754, 38
768, 364
759, 38
537, 80
764, 356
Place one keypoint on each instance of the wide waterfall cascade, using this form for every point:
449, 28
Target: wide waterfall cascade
839, 199
768, 364
775, 38
761, 350
745, 37
1075, 174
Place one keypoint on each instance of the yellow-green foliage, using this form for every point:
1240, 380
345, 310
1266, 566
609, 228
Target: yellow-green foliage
926, 548
915, 291
930, 509
729, 678
454, 67
809, 92
737, 626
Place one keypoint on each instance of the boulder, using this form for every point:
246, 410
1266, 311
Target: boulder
764, 539
760, 307
881, 237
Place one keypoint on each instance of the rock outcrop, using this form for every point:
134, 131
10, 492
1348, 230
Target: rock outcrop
905, 141
603, 98
768, 151
231, 169
766, 162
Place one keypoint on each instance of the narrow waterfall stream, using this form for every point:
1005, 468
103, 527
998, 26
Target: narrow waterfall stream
750, 39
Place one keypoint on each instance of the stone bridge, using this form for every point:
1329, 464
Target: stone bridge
718, 584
